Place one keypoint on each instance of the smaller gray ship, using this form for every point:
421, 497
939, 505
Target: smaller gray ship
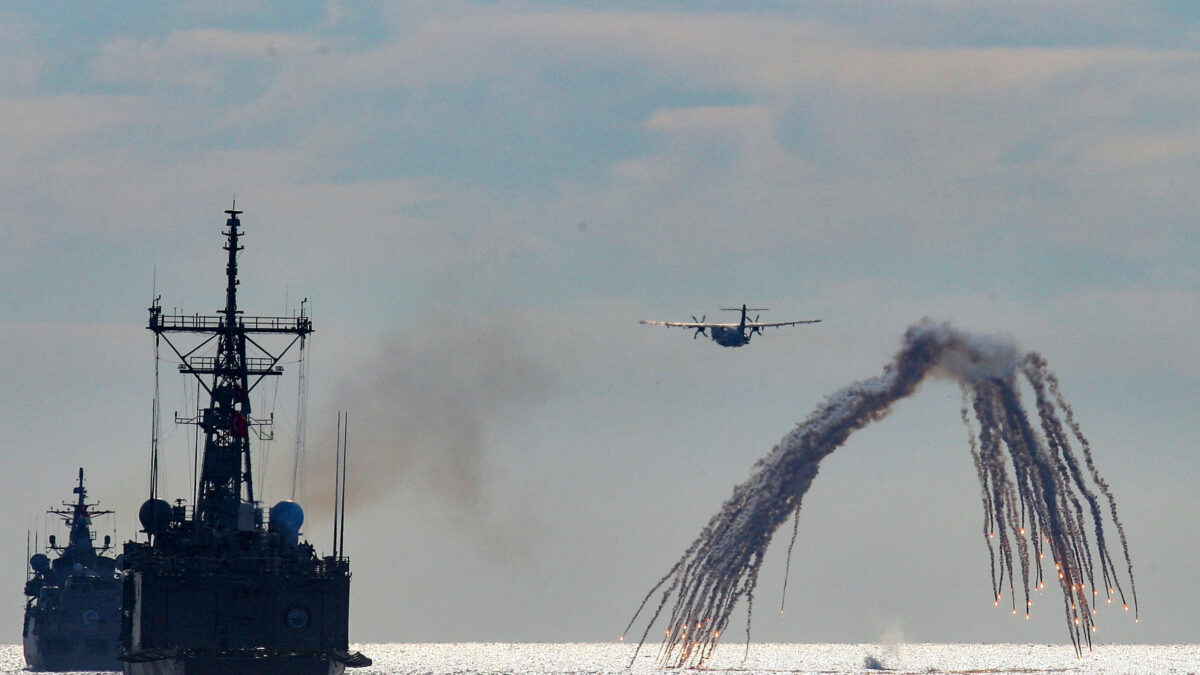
73, 602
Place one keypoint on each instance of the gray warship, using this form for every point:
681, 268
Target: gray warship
217, 588
73, 602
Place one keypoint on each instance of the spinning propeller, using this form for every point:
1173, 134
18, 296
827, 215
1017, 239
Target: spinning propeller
756, 329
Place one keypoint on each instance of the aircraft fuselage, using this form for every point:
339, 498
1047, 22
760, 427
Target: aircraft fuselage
729, 337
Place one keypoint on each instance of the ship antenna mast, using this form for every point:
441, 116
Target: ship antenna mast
339, 485
341, 547
155, 421
337, 481
225, 483
301, 410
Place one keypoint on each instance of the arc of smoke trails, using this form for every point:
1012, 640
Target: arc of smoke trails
1045, 503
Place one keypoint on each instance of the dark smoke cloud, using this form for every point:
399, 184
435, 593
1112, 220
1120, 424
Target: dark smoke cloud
420, 404
1036, 498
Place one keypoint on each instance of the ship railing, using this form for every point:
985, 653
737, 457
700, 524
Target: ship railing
210, 322
328, 567
255, 365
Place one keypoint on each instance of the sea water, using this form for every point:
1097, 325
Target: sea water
823, 659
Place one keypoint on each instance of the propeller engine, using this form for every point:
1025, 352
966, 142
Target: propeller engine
700, 330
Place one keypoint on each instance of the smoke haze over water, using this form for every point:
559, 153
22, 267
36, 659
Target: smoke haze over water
420, 407
1038, 497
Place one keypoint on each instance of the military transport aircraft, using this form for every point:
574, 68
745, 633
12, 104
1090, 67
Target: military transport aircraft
730, 334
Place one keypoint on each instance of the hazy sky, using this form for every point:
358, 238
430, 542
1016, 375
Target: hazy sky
481, 199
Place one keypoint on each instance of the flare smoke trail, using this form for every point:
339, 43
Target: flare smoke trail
1037, 497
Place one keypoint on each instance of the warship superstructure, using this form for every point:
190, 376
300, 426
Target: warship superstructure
218, 588
73, 602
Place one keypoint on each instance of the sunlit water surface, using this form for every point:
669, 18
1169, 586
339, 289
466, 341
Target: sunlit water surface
546, 659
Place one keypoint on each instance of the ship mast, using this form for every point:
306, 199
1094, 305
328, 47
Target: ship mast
79, 518
225, 498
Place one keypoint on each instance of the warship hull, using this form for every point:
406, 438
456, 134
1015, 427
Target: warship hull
194, 616
66, 652
233, 662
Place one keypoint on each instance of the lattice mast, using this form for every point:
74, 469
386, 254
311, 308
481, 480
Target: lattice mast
225, 495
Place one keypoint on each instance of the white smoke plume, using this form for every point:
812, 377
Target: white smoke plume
1046, 505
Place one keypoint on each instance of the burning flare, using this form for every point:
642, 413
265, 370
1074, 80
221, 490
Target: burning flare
1036, 495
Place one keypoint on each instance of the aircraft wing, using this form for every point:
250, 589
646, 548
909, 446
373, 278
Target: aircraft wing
777, 324
684, 324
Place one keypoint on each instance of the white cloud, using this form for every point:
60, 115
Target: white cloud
946, 141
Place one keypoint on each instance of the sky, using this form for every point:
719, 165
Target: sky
480, 200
